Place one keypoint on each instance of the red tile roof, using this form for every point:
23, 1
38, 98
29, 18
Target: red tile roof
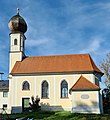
56, 64
84, 84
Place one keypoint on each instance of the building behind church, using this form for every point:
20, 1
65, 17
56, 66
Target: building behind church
63, 82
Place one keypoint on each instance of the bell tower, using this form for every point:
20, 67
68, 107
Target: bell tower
18, 27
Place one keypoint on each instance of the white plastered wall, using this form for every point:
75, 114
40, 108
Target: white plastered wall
86, 102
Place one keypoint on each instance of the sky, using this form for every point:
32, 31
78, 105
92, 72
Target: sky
58, 27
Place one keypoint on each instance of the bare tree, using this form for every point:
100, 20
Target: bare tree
105, 66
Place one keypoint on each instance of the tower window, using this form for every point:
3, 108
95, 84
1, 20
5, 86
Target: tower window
15, 41
25, 86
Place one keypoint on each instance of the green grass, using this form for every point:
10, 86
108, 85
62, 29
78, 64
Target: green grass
64, 115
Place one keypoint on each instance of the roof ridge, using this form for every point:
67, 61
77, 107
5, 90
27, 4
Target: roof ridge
57, 55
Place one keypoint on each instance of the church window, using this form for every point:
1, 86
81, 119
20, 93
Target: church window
45, 89
25, 86
15, 41
64, 89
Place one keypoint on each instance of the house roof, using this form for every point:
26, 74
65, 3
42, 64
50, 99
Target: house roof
4, 85
84, 84
55, 64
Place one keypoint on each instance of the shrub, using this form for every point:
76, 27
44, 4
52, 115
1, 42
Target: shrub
35, 103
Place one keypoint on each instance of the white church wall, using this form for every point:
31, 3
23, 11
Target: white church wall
54, 102
86, 102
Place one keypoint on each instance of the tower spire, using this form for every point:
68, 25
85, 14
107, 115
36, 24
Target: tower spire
17, 11
18, 27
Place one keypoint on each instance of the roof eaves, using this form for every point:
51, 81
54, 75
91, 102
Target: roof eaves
89, 89
59, 72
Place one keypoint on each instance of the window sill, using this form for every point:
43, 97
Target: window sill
44, 98
25, 90
64, 97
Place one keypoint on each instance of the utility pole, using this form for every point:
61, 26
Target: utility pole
1, 74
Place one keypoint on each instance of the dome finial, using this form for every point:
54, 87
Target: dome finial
17, 11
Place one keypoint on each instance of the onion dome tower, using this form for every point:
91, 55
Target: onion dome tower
18, 27
17, 24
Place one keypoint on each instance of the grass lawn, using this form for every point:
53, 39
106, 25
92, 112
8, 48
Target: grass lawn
64, 115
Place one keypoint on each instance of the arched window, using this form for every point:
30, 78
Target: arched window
25, 86
45, 89
64, 89
15, 41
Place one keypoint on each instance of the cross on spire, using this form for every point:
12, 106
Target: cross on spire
17, 11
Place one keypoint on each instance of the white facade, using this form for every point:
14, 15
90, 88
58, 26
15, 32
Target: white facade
92, 104
86, 102
4, 101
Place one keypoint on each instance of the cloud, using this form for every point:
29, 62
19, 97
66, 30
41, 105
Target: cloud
43, 46
36, 43
94, 45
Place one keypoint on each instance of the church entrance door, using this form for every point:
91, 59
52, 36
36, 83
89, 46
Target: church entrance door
25, 104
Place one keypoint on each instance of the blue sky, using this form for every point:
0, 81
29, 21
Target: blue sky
58, 27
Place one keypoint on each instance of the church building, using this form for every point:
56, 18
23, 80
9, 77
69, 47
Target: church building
68, 82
